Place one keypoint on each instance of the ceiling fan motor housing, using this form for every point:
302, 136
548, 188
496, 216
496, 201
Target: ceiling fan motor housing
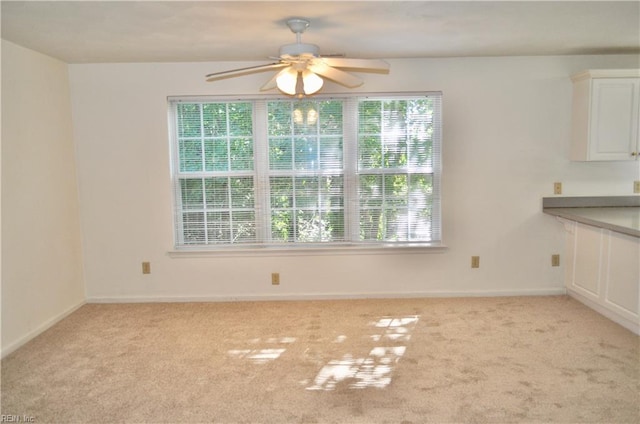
299, 49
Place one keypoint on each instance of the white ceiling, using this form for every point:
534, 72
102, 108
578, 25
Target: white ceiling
179, 31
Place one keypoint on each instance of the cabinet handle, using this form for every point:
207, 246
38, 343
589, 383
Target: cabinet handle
634, 153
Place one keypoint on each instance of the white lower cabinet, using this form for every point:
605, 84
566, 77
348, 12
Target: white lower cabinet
603, 271
588, 266
623, 260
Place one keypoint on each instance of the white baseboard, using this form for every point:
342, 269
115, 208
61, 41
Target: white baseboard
324, 296
13, 346
630, 325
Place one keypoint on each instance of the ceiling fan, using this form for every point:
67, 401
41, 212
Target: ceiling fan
302, 69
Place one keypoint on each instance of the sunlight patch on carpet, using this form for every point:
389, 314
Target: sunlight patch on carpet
262, 356
375, 370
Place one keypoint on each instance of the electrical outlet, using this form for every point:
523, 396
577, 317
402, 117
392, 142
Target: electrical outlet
555, 260
557, 188
636, 186
275, 278
146, 267
475, 262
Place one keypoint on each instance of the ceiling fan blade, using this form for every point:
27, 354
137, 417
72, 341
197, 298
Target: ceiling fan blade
363, 65
244, 71
336, 75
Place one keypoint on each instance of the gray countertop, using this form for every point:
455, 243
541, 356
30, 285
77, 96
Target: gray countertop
615, 213
624, 219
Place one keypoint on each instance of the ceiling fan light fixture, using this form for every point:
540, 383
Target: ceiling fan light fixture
287, 81
312, 83
298, 83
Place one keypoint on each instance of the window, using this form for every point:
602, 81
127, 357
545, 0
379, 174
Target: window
322, 171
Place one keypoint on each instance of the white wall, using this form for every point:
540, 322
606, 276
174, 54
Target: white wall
506, 133
41, 249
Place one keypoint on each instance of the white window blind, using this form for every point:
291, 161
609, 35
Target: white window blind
215, 184
306, 176
396, 163
320, 171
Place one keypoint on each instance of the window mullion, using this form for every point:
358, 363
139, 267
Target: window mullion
203, 162
229, 168
409, 172
261, 172
294, 215
350, 166
384, 210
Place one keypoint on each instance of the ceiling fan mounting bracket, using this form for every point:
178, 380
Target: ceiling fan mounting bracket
297, 25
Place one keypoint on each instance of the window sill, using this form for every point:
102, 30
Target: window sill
388, 249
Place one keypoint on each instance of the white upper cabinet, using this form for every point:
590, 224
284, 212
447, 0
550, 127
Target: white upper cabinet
606, 115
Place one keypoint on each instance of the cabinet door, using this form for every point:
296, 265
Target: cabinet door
587, 263
613, 132
623, 278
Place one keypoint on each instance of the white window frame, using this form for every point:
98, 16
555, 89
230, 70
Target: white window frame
261, 173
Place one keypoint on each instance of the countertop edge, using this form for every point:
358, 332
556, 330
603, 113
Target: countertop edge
562, 212
590, 201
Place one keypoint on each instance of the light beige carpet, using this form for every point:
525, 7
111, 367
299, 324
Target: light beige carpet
468, 360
